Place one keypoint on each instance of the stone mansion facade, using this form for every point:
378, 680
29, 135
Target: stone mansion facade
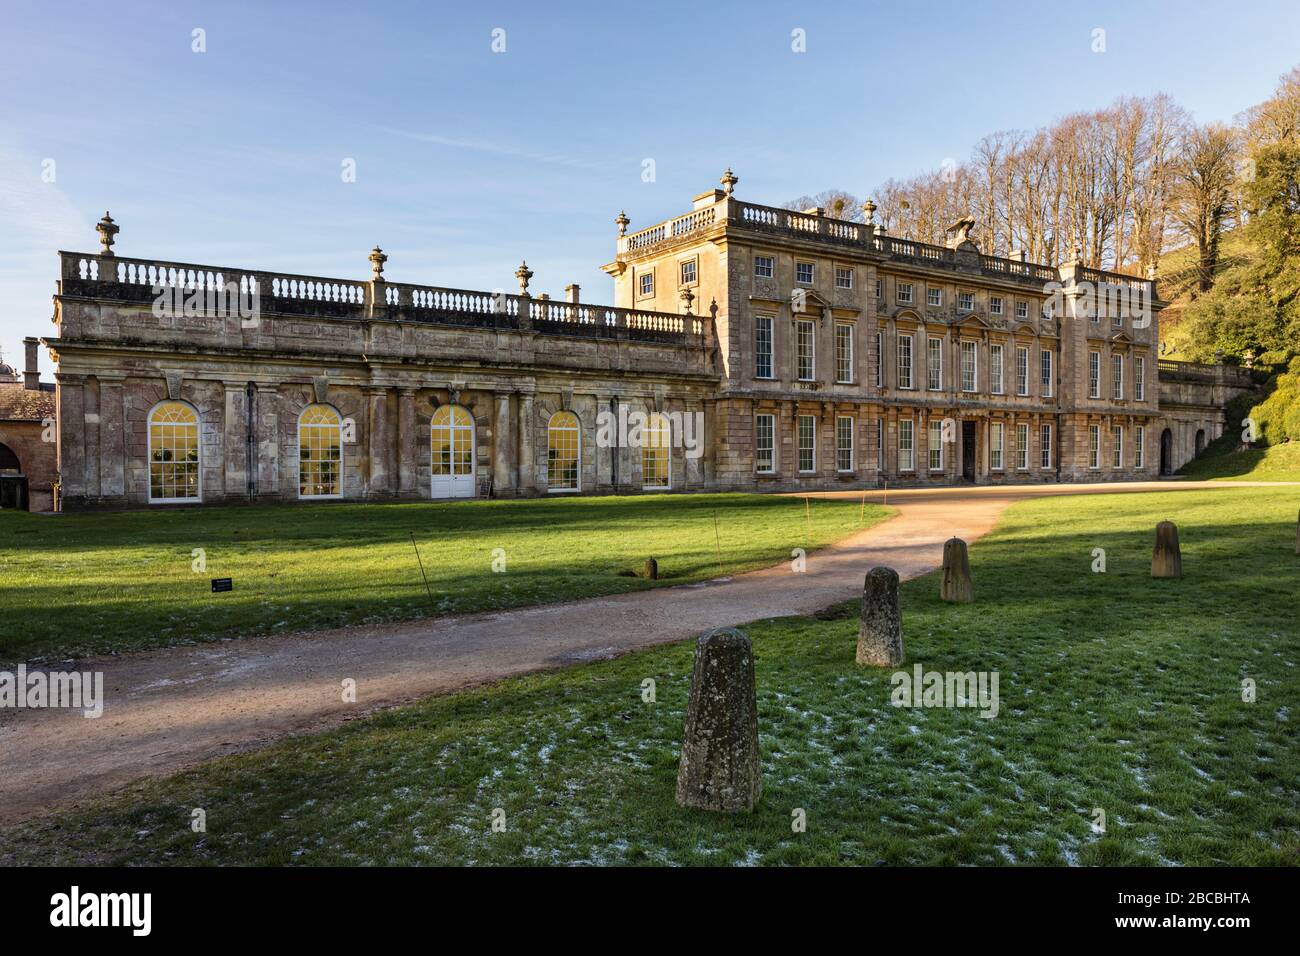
816, 353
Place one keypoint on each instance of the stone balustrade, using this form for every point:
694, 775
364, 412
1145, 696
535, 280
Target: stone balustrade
118, 278
730, 212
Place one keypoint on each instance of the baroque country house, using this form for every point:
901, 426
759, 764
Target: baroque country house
817, 353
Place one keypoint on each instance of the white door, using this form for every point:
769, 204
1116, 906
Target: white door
452, 457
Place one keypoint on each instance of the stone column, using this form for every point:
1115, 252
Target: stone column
268, 440
501, 468
377, 443
527, 466
70, 447
234, 451
112, 437
406, 438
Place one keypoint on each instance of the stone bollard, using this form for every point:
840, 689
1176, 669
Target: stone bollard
880, 632
651, 570
957, 584
719, 769
1166, 558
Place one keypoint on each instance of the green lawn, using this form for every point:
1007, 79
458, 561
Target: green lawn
1273, 463
1117, 691
88, 583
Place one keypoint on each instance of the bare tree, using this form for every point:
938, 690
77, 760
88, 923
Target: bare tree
1204, 174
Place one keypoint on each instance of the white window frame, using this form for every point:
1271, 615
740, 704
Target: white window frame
762, 263
693, 265
760, 434
1139, 447
880, 359
1139, 378
997, 368
880, 288
1117, 377
1094, 447
1117, 446
1022, 370
1046, 371
933, 364
844, 451
764, 324
910, 365
799, 267
811, 449
1022, 309
966, 302
1094, 374
997, 446
933, 297
906, 444
843, 278
995, 305
844, 332
903, 292
934, 444
641, 291
970, 349
1045, 438
804, 351
197, 425
1022, 446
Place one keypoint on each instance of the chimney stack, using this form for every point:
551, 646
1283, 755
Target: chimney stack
31, 373
572, 290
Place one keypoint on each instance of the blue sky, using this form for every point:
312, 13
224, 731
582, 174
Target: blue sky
468, 160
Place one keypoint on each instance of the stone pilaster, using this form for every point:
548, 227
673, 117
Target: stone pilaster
267, 411
406, 439
527, 466
377, 443
502, 477
112, 436
234, 448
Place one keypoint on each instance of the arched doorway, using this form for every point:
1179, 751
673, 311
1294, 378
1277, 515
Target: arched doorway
1166, 452
1200, 441
13, 484
451, 457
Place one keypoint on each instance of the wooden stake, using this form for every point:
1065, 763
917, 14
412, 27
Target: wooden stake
717, 540
422, 574
807, 508
862, 512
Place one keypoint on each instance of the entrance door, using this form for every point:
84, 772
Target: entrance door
1166, 452
452, 453
968, 450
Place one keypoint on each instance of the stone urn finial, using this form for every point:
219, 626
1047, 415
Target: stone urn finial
107, 229
869, 212
622, 222
1076, 253
377, 260
687, 297
729, 180
523, 274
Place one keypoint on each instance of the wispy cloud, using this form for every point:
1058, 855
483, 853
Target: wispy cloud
504, 150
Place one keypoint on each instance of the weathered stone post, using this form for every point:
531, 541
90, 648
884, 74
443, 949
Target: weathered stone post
957, 584
1166, 558
719, 769
651, 571
880, 631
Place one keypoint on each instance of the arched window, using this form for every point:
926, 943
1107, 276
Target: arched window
173, 452
563, 452
9, 464
656, 452
320, 452
451, 458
